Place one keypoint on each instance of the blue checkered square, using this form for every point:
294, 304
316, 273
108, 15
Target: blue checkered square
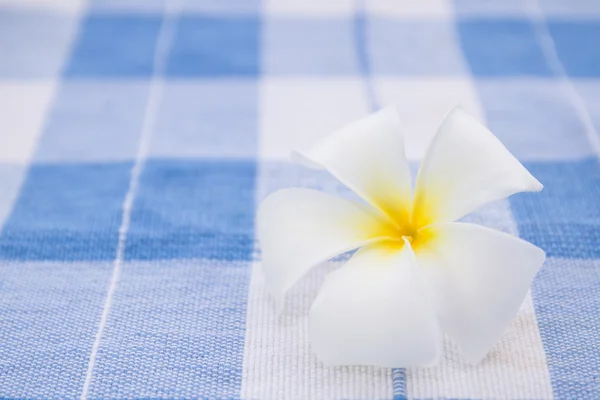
491, 8
533, 118
115, 45
205, 46
577, 46
193, 209
130, 6
66, 212
222, 7
502, 47
87, 119
194, 119
414, 47
318, 46
564, 219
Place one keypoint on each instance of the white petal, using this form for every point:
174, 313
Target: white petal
368, 157
465, 167
480, 278
376, 310
299, 228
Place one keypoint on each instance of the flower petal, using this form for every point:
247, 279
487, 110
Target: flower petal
480, 278
465, 167
299, 228
376, 310
368, 157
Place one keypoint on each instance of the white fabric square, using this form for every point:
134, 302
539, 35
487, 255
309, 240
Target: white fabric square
35, 41
423, 102
23, 110
296, 112
60, 5
410, 8
309, 7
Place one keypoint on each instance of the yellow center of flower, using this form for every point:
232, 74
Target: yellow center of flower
406, 230
408, 215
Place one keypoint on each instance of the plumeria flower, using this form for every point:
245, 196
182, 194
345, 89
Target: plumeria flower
417, 272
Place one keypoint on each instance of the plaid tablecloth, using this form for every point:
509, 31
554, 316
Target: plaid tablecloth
137, 137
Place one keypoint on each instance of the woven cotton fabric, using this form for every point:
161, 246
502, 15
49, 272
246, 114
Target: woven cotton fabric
138, 136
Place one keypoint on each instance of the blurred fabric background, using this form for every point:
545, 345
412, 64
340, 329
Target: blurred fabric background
138, 136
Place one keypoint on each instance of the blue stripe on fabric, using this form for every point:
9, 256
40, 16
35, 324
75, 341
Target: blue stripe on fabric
474, 8
362, 55
563, 219
184, 209
577, 46
115, 45
132, 6
193, 209
66, 212
399, 383
502, 47
215, 46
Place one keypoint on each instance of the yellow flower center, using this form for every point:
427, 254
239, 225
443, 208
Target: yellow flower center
407, 232
419, 236
409, 223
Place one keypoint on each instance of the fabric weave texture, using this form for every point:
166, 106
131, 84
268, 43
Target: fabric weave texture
137, 138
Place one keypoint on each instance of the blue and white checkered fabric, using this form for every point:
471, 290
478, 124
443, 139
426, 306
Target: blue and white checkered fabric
137, 137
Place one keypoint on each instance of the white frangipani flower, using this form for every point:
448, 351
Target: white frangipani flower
417, 272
